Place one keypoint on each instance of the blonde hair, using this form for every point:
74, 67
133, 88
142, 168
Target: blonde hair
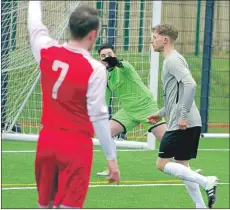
166, 30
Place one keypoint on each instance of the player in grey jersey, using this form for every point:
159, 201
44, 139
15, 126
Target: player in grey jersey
184, 122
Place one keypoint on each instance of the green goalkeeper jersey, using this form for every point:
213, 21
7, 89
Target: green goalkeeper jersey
127, 85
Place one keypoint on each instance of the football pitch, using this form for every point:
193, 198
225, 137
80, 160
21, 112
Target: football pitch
142, 185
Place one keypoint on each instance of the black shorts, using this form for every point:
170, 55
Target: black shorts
180, 144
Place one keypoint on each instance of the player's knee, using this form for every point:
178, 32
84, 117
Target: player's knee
159, 131
183, 162
160, 165
160, 136
161, 162
115, 128
113, 132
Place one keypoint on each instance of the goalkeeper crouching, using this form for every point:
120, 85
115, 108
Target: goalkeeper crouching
137, 101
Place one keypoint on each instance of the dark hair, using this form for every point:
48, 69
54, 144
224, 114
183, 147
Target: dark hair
83, 20
166, 30
105, 46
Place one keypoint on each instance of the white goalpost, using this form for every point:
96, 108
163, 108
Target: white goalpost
21, 92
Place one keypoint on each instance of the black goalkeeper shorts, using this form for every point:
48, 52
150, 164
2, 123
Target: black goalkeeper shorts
180, 144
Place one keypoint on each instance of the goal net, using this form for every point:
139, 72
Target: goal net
126, 24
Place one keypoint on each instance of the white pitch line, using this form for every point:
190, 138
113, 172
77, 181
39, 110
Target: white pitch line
214, 150
109, 185
18, 151
123, 150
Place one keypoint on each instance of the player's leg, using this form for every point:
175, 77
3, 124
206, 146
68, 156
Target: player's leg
74, 159
158, 129
122, 135
182, 172
45, 171
192, 147
116, 127
74, 183
189, 148
121, 122
178, 144
193, 189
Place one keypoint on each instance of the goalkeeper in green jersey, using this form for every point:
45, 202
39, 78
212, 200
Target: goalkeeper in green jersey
137, 101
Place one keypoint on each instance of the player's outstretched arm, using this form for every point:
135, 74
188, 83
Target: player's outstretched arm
155, 118
38, 33
98, 113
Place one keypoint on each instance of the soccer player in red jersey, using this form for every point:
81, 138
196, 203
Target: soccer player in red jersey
73, 107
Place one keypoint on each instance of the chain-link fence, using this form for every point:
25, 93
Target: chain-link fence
189, 18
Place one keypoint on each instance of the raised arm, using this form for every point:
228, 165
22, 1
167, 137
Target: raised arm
38, 33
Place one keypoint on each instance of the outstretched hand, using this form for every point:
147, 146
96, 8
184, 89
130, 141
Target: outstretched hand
153, 119
112, 62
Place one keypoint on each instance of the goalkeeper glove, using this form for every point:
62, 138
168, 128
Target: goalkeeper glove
112, 62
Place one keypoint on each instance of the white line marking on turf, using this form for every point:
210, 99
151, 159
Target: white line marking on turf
18, 151
109, 185
122, 150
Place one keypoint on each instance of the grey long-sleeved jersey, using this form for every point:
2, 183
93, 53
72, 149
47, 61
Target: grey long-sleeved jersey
179, 91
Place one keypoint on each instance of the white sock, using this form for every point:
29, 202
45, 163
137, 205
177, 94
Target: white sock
68, 207
182, 172
194, 192
50, 206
